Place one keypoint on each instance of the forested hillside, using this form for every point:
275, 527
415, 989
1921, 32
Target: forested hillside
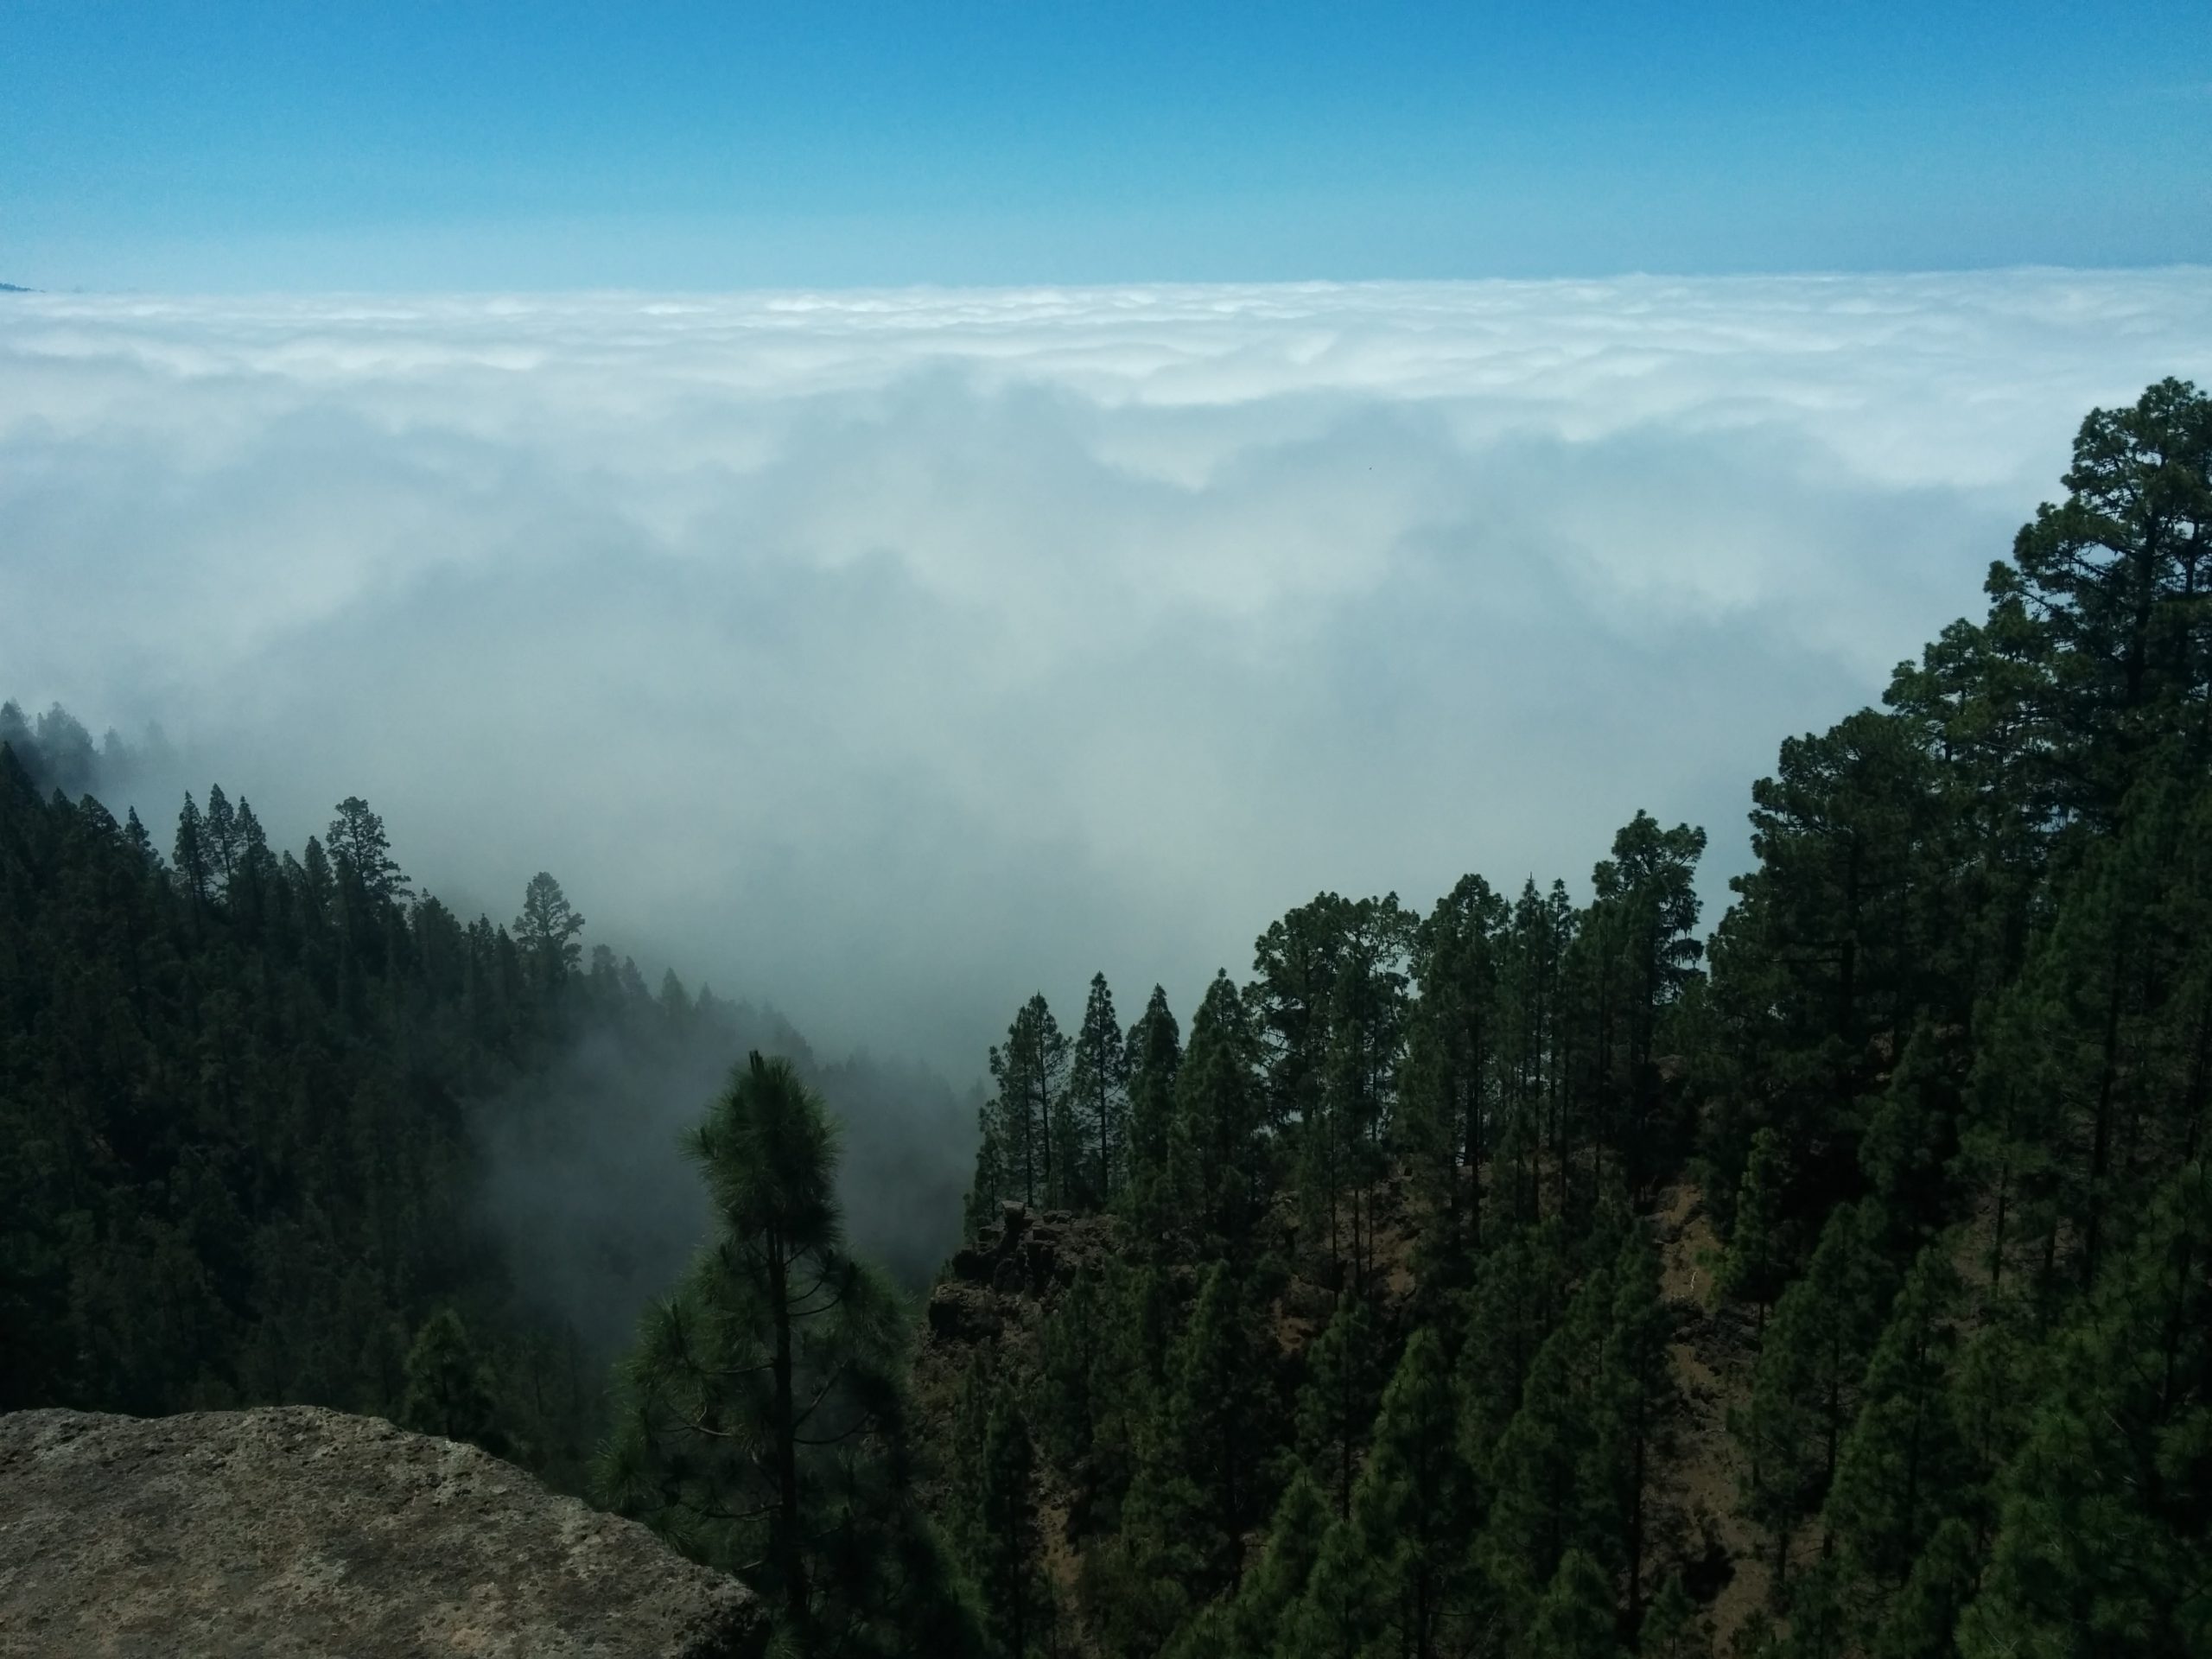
1514, 1276
1519, 1277
277, 1129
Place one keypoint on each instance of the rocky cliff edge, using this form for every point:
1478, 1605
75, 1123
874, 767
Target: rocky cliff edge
294, 1531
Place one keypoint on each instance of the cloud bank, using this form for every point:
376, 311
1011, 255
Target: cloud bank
888, 656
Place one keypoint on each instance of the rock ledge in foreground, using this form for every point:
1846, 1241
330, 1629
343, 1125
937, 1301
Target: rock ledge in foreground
294, 1531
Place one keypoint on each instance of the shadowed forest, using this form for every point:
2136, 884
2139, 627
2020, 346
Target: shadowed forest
1504, 1276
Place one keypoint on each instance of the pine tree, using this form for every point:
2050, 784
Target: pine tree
1520, 1293
221, 836
1344, 1374
1575, 1619
1635, 1404
1821, 1622
1214, 1432
971, 1420
1672, 1627
357, 838
1206, 1479
1647, 894
1901, 1470
1098, 1096
1030, 1070
761, 1418
1452, 1051
1128, 1379
1911, 1143
1832, 929
1754, 1267
1360, 1046
1542, 1504
2114, 575
1253, 1621
2105, 1539
1017, 1600
1920, 1621
675, 1002
189, 858
255, 869
1214, 1150
1072, 1352
993, 1177
1153, 1053
1338, 1616
449, 1391
1414, 1505
547, 931
1295, 964
140, 842
1805, 1391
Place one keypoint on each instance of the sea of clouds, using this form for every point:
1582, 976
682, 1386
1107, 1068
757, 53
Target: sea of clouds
889, 656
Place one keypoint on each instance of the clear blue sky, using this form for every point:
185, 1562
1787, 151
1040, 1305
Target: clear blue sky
402, 145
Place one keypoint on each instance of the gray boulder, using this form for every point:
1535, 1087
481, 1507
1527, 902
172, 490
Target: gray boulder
294, 1531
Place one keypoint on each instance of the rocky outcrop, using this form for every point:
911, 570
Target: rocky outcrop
294, 1531
1018, 1261
1024, 1251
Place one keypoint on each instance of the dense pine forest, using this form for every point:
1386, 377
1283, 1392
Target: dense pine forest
1520, 1277
1516, 1277
277, 1129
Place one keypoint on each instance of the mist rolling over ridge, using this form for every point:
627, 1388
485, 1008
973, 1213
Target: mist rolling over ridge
886, 656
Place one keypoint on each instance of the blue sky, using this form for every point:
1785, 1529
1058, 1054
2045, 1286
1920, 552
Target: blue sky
245, 147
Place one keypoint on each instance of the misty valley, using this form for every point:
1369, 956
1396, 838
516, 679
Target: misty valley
1551, 1267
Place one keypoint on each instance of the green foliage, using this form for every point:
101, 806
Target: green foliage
1806, 1390
2104, 1541
1903, 1470
1414, 1504
1216, 1435
238, 1165
762, 1423
1254, 1619
1214, 1154
1028, 1122
1009, 1571
1754, 1267
1636, 1405
1098, 1086
1672, 1627
1544, 1500
546, 932
1919, 1621
1575, 1620
1153, 1051
1521, 1290
1452, 1065
1335, 1403
449, 1392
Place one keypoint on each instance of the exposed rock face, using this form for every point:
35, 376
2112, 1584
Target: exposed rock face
1028, 1253
294, 1531
964, 1313
1013, 1268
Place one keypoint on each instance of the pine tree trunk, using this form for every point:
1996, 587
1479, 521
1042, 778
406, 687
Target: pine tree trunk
783, 1425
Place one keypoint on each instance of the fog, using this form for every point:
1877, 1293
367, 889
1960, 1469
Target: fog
886, 656
599, 1210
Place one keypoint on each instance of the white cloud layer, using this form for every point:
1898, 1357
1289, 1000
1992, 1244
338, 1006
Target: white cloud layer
889, 656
